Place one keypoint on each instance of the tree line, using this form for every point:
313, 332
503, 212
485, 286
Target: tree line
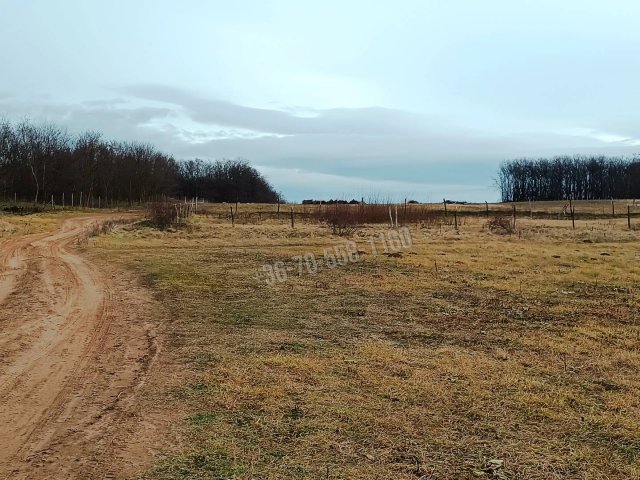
569, 177
38, 161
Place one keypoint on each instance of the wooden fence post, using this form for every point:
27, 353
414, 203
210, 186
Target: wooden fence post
572, 211
486, 204
444, 202
233, 222
514, 216
292, 219
405, 212
629, 217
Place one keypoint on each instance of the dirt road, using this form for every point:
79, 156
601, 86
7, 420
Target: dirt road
76, 346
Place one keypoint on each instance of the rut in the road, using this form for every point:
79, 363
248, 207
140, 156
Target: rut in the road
75, 348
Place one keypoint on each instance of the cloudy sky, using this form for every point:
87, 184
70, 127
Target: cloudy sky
418, 98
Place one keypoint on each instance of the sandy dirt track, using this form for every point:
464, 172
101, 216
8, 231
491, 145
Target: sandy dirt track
76, 348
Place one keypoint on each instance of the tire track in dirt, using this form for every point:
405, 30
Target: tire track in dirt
75, 348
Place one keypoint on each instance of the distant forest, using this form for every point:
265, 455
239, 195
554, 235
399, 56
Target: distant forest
41, 160
563, 178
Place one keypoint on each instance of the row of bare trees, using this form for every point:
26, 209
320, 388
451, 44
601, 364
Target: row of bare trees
38, 161
569, 177
234, 181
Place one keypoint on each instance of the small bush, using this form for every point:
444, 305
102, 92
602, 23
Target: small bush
166, 214
341, 227
500, 224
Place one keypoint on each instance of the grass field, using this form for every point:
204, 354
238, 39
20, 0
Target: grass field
26, 224
466, 354
44, 220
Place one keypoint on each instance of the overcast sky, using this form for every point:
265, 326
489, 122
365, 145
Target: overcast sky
417, 98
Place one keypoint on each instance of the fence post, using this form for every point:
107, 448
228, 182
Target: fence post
613, 209
486, 204
233, 220
629, 217
405, 212
455, 218
572, 211
514, 216
444, 202
292, 219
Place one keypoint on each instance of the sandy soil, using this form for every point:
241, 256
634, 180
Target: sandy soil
77, 345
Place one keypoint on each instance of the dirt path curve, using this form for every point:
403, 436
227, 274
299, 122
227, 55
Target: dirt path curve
75, 349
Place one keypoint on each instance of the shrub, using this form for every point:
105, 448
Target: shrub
166, 214
500, 224
342, 227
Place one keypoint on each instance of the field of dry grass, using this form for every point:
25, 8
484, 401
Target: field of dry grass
466, 355
11, 225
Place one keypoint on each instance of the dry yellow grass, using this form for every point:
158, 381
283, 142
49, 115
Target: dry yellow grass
27, 224
471, 355
11, 225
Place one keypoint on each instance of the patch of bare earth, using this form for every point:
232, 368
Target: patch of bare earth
78, 361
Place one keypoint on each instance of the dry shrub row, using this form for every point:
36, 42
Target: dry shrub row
342, 216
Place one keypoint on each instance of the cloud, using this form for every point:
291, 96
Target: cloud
605, 137
353, 121
115, 118
302, 184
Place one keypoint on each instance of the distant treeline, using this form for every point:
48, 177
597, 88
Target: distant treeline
563, 178
331, 202
228, 181
38, 161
